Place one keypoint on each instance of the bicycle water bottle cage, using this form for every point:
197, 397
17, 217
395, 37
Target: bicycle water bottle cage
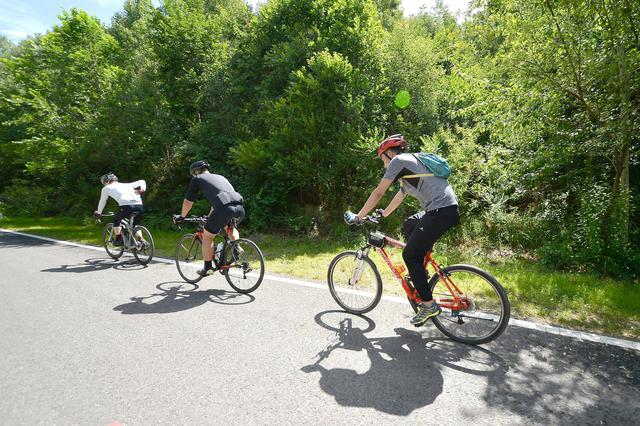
377, 239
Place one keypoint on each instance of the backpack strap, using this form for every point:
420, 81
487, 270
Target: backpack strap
414, 176
419, 175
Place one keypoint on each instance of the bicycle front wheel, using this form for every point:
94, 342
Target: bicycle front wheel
354, 282
108, 241
246, 265
189, 258
484, 311
144, 249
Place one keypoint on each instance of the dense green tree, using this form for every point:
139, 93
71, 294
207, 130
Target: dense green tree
62, 81
535, 104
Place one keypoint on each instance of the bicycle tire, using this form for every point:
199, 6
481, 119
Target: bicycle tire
335, 290
113, 251
150, 249
243, 263
184, 258
505, 313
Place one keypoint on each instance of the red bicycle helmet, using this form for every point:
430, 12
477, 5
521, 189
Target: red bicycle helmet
392, 142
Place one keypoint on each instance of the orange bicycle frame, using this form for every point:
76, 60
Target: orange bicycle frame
199, 234
457, 301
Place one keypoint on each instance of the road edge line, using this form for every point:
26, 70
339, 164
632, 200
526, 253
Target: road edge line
551, 329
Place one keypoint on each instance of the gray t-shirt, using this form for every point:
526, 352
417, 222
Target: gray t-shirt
431, 191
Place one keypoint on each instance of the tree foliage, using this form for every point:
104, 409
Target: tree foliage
536, 104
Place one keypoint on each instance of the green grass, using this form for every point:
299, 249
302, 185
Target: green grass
581, 301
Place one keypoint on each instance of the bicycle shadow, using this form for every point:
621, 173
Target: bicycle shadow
98, 264
405, 369
179, 297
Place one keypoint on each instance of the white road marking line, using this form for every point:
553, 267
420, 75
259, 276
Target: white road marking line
580, 335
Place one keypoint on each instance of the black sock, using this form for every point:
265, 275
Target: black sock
207, 265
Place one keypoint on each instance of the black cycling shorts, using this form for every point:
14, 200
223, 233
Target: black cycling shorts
125, 211
223, 216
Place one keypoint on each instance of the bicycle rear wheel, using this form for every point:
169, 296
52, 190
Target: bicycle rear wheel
485, 312
144, 249
246, 265
108, 241
354, 282
189, 258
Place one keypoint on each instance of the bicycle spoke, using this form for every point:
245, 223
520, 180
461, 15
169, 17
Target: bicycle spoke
246, 265
478, 312
189, 258
354, 283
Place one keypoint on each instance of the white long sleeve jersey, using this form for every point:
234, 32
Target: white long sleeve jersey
123, 193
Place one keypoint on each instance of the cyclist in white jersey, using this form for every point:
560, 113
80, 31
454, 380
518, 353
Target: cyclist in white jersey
127, 195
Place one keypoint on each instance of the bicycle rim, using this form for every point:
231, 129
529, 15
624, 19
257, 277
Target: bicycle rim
354, 282
485, 311
189, 258
108, 240
246, 265
144, 247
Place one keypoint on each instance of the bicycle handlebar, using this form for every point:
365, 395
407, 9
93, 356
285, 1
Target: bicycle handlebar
99, 217
373, 218
191, 219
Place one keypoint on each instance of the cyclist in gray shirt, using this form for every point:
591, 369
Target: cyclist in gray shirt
439, 214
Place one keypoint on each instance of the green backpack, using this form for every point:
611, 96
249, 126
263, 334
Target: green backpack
438, 166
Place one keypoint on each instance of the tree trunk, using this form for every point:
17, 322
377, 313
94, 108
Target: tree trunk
619, 202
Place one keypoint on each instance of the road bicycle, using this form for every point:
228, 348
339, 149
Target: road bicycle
241, 261
475, 307
136, 239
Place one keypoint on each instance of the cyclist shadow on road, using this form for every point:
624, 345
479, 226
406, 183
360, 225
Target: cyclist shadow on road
405, 372
98, 264
176, 296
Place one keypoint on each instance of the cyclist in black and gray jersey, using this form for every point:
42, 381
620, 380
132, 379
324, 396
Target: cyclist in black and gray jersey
227, 208
439, 214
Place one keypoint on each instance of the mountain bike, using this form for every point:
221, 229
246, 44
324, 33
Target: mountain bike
240, 261
475, 307
137, 239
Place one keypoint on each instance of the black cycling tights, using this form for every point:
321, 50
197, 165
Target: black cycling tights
424, 229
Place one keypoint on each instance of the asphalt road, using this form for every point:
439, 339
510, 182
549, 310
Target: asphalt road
86, 340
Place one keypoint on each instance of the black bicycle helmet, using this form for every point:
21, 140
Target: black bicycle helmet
198, 166
107, 178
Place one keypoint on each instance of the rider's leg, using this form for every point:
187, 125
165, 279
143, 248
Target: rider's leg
232, 233
410, 224
207, 246
232, 230
430, 228
117, 229
136, 220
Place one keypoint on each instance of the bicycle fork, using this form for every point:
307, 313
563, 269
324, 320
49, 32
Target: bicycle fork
360, 266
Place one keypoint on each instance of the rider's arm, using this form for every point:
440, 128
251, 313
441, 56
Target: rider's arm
139, 184
103, 200
190, 197
395, 203
186, 206
375, 197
